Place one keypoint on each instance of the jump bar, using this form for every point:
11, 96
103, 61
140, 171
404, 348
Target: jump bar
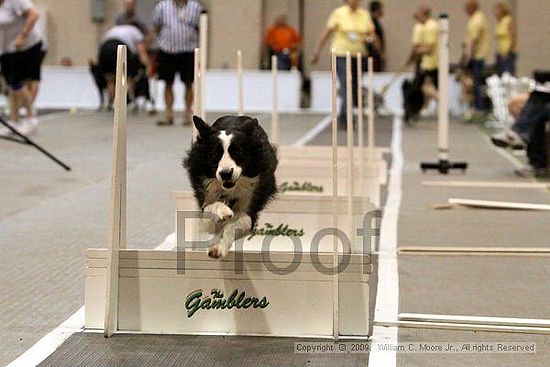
443, 166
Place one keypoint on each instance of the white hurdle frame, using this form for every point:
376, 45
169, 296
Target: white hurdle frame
274, 101
119, 262
334, 122
197, 90
117, 206
203, 46
370, 108
240, 102
350, 142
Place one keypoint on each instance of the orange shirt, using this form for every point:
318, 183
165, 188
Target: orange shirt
280, 37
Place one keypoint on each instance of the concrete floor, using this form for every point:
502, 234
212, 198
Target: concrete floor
49, 217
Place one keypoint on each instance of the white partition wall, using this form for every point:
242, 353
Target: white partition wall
68, 87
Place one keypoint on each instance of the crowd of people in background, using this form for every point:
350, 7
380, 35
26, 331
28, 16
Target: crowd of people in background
175, 34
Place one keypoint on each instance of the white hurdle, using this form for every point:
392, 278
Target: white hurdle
160, 291
335, 260
240, 97
117, 206
197, 90
274, 101
443, 165
203, 46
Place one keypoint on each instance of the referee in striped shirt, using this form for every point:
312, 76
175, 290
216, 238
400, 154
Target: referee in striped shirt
176, 24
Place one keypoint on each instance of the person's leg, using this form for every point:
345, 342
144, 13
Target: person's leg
187, 74
510, 64
478, 66
166, 73
354, 81
110, 79
169, 101
499, 65
189, 96
341, 73
536, 112
536, 149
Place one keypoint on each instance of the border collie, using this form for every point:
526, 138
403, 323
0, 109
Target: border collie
231, 166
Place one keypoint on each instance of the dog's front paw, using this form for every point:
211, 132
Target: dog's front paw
221, 211
217, 251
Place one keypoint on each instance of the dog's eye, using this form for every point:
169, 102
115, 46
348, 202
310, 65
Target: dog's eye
236, 151
217, 151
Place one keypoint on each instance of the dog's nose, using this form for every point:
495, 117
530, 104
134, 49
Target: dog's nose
226, 174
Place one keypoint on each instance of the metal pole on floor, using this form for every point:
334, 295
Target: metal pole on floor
23, 139
443, 165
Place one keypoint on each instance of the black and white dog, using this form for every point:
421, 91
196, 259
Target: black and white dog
231, 166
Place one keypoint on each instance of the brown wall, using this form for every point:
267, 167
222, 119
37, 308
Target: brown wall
240, 24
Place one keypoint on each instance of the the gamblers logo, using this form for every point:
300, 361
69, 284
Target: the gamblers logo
216, 300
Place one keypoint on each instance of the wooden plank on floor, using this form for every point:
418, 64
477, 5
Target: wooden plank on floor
498, 204
488, 184
469, 250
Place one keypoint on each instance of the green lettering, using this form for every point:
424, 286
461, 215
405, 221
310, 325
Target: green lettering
192, 303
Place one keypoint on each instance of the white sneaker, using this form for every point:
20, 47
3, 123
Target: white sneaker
30, 125
27, 126
4, 131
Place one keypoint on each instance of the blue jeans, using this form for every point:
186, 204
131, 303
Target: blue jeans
531, 125
506, 64
283, 61
341, 73
477, 71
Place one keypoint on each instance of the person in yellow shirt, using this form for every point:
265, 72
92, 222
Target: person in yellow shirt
505, 34
428, 49
477, 41
416, 40
351, 27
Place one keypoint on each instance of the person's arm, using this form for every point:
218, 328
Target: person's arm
142, 53
322, 40
31, 16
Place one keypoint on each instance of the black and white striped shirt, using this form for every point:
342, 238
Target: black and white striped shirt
178, 25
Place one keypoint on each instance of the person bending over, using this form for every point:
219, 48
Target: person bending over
529, 131
128, 35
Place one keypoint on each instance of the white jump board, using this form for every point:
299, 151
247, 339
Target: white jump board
293, 180
319, 167
289, 224
325, 152
157, 298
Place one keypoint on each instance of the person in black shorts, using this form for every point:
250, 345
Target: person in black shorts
176, 24
21, 59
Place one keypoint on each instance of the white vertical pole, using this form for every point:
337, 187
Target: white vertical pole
240, 105
117, 206
349, 118
370, 97
274, 102
443, 75
360, 120
360, 123
335, 252
197, 89
203, 46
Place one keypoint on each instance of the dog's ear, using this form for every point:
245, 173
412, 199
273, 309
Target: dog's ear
202, 127
250, 125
